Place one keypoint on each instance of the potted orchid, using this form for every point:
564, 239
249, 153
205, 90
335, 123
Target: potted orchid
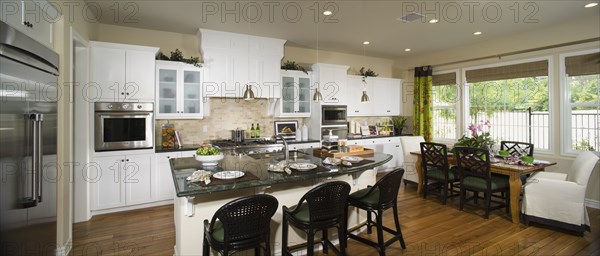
479, 136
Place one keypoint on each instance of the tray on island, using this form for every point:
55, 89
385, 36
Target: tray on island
367, 152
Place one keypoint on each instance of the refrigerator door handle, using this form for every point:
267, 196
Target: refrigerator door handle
40, 155
36, 157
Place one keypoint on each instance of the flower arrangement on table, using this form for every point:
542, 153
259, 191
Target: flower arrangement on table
479, 136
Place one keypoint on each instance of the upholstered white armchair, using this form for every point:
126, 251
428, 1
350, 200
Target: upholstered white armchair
557, 199
410, 144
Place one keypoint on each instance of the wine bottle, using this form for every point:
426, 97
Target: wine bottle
257, 130
252, 131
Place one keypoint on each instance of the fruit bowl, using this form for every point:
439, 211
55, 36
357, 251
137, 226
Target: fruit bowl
210, 160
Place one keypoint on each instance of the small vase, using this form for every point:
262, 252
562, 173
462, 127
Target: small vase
398, 130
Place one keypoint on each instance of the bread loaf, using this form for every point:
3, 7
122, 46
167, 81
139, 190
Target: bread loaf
355, 148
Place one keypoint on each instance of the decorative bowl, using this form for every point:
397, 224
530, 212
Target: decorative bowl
210, 160
527, 159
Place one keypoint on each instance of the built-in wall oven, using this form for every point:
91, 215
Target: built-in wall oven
123, 125
334, 115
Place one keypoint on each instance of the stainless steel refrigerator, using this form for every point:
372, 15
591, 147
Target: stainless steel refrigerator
28, 178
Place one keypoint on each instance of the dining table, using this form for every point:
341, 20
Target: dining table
514, 171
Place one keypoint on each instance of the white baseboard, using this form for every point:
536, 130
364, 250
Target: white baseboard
132, 207
65, 249
592, 203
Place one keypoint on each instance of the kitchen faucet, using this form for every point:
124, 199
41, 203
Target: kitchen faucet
286, 150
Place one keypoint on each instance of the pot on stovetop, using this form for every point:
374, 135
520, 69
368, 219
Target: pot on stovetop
238, 135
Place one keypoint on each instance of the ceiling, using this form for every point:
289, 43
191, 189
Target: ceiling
302, 23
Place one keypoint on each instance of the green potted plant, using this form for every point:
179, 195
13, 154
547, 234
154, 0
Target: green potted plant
292, 65
177, 55
399, 122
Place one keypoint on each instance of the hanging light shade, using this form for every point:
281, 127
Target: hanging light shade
317, 96
364, 97
248, 93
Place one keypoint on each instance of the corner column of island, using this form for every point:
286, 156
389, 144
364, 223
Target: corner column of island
195, 202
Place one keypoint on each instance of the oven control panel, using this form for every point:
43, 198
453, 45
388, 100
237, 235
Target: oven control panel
124, 106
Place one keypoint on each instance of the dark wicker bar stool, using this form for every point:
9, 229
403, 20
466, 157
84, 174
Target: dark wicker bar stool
321, 208
376, 199
241, 224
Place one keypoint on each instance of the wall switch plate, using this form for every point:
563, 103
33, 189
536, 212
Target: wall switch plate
205, 128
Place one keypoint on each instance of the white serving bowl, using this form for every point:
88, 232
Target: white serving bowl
210, 160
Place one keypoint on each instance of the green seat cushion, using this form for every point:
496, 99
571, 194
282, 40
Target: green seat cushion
303, 213
439, 174
218, 232
371, 199
476, 182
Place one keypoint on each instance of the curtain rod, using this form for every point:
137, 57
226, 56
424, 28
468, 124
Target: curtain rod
517, 52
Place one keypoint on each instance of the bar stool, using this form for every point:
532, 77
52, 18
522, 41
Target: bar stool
376, 199
241, 224
321, 208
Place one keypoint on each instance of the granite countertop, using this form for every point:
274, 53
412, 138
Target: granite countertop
375, 137
189, 147
186, 147
258, 166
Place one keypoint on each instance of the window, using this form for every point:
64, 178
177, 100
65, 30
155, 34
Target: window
445, 100
581, 84
513, 98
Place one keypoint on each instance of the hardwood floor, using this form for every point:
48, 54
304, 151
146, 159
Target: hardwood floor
429, 228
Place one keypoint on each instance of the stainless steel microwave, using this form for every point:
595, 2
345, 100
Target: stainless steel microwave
334, 115
122, 126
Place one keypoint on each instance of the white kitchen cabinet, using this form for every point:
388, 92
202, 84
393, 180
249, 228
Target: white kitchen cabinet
295, 98
232, 61
122, 180
356, 86
121, 72
178, 90
164, 187
386, 96
33, 18
331, 81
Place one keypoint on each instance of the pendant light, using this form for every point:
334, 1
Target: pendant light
317, 97
248, 93
364, 98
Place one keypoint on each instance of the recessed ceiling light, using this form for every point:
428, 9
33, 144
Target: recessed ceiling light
477, 33
407, 50
366, 42
327, 13
434, 21
590, 5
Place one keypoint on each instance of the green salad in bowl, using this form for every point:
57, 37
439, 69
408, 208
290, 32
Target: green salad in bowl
209, 155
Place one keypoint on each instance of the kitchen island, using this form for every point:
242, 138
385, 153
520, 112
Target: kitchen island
196, 202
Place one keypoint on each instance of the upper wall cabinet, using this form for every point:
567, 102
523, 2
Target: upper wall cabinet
384, 96
178, 91
232, 61
331, 81
33, 18
121, 72
295, 98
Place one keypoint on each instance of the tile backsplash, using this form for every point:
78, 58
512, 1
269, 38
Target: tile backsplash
226, 114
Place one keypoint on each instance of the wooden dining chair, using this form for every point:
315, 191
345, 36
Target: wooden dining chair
475, 176
517, 147
435, 167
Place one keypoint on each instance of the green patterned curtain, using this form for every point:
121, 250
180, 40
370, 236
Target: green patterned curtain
423, 103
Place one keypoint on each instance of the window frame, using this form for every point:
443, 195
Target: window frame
565, 103
457, 106
466, 105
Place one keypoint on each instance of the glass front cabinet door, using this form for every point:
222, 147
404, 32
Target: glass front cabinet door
178, 91
295, 94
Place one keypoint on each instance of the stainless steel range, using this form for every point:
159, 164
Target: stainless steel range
248, 147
